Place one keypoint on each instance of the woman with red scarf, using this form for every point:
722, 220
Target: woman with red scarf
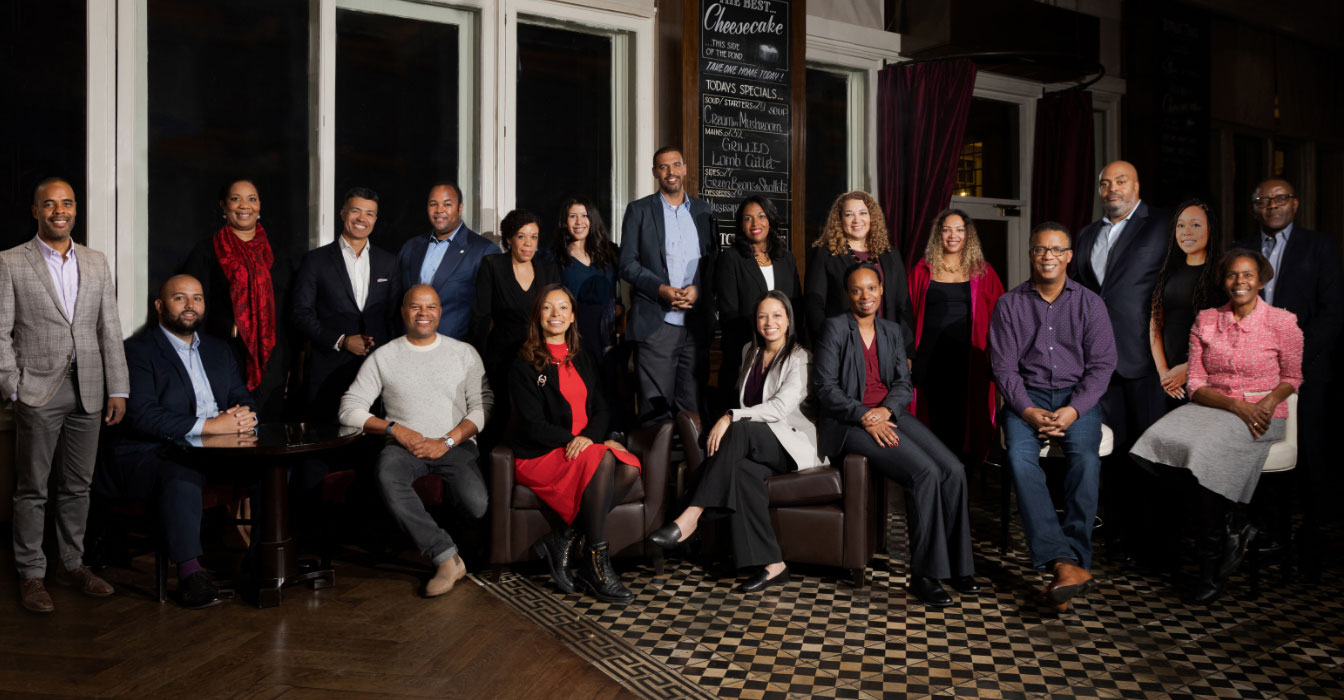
953, 291
246, 280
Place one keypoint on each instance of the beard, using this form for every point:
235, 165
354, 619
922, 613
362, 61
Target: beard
177, 325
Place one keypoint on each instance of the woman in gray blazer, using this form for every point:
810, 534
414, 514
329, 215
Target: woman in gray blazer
863, 388
768, 435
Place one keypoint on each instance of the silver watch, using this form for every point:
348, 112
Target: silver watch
449, 441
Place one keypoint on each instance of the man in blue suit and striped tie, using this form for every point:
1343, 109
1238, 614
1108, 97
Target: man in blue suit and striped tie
446, 259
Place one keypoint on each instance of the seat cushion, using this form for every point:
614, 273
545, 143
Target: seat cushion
1054, 448
524, 497
808, 487
1281, 458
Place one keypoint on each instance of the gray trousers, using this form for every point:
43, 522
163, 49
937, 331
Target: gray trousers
62, 423
398, 469
669, 366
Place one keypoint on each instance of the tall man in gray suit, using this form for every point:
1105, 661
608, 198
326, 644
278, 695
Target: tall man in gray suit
62, 364
668, 246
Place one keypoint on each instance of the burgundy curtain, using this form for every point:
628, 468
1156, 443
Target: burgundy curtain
921, 114
1063, 176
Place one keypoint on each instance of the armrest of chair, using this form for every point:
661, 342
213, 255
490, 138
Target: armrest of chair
501, 502
653, 446
692, 431
861, 508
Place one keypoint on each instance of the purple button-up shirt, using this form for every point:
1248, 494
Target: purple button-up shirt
64, 274
1051, 346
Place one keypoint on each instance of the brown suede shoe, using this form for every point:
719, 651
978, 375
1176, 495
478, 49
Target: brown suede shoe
89, 583
1070, 581
33, 594
447, 575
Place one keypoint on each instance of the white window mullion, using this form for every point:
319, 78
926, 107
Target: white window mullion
322, 121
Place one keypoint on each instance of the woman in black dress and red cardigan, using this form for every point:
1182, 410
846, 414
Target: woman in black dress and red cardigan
560, 453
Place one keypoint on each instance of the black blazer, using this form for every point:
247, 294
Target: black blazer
825, 296
544, 418
162, 405
324, 309
1131, 273
838, 371
644, 264
738, 284
1308, 284
502, 310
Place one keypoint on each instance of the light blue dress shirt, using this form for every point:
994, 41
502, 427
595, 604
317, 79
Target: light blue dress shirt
200, 383
434, 255
1106, 237
683, 250
1273, 249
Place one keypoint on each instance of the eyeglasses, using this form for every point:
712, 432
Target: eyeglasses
1278, 200
1040, 251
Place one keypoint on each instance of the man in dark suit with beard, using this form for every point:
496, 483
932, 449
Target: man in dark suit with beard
1306, 282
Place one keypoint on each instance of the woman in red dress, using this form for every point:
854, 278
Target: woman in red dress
559, 450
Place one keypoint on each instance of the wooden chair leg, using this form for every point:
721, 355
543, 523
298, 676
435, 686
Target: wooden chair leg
659, 564
161, 572
857, 578
1253, 557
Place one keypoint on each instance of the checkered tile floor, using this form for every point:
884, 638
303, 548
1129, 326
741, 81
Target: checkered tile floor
689, 634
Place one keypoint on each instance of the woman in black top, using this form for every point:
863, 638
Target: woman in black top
249, 301
856, 232
587, 260
506, 286
759, 262
1187, 283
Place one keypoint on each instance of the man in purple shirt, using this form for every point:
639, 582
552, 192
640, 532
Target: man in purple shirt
1052, 353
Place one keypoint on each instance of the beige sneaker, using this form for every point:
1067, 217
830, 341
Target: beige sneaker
89, 583
446, 577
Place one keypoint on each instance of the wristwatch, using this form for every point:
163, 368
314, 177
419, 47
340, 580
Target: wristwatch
388, 430
449, 441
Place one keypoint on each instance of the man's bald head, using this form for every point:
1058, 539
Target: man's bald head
420, 313
1118, 187
181, 305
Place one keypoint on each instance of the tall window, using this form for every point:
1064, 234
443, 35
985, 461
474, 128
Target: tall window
44, 122
988, 166
834, 161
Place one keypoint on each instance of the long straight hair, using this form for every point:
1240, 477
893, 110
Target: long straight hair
790, 336
601, 251
1213, 249
534, 348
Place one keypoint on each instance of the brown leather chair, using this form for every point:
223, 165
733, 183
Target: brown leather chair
828, 516
516, 514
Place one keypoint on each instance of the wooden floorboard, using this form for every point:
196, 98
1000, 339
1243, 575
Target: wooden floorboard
371, 636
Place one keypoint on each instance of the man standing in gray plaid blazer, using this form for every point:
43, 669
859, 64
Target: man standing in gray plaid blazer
61, 364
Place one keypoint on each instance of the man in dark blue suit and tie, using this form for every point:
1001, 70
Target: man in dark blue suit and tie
184, 386
446, 259
1119, 258
1306, 282
344, 302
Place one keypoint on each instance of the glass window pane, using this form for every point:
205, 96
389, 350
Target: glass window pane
564, 120
1249, 167
397, 116
827, 163
228, 98
45, 79
988, 166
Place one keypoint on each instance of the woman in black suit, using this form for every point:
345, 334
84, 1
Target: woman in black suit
759, 262
855, 232
560, 453
862, 388
247, 281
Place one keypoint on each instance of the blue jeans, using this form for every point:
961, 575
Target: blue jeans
1050, 537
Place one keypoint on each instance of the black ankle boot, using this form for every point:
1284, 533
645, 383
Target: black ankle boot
596, 574
556, 549
1209, 588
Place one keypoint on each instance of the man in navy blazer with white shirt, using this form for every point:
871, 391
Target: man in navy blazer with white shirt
668, 245
184, 385
1306, 282
344, 302
446, 259
1119, 258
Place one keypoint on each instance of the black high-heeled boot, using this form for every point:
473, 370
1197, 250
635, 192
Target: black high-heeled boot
1218, 543
556, 549
597, 575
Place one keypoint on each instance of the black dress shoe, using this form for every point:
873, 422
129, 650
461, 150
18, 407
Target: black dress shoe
930, 591
764, 580
966, 584
198, 591
667, 536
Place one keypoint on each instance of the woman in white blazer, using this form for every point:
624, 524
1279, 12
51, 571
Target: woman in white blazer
768, 435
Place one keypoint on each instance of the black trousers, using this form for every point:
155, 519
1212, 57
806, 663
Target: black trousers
934, 480
166, 479
1128, 408
732, 484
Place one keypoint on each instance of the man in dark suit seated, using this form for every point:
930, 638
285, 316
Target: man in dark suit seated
667, 255
1306, 282
344, 303
446, 259
1119, 258
184, 385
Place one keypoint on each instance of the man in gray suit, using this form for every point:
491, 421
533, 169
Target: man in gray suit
61, 364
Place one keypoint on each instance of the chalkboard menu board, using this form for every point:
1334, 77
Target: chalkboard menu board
745, 93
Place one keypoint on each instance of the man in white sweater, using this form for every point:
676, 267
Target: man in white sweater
436, 398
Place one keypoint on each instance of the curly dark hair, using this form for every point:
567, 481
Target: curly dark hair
1174, 258
514, 222
774, 246
597, 245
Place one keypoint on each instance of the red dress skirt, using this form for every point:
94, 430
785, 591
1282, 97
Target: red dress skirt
557, 481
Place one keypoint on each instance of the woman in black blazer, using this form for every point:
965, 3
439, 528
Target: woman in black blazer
249, 303
856, 231
559, 449
862, 389
758, 262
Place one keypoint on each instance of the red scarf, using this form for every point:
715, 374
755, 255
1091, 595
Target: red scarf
247, 266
